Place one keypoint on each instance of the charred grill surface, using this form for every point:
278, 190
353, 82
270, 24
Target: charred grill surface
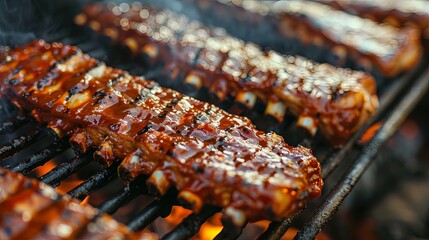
336, 101
210, 156
30, 209
375, 47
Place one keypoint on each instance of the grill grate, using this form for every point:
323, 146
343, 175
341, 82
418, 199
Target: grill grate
161, 207
191, 224
123, 197
17, 144
340, 191
39, 158
387, 98
62, 171
390, 114
95, 182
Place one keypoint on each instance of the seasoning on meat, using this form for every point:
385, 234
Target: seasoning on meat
336, 101
32, 210
210, 156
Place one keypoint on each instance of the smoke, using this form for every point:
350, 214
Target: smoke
24, 20
179, 6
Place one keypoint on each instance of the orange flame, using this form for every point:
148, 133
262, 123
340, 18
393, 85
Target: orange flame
85, 201
67, 186
211, 228
208, 230
263, 224
291, 233
42, 170
177, 214
370, 133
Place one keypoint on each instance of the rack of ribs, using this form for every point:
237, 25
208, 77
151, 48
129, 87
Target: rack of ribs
336, 101
212, 157
396, 13
33, 210
373, 46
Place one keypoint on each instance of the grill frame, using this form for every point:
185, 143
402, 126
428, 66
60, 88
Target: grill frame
391, 114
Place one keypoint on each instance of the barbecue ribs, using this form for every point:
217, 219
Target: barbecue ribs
32, 210
337, 101
210, 156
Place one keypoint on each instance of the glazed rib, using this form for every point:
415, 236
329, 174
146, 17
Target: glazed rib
373, 46
396, 13
210, 156
336, 101
33, 210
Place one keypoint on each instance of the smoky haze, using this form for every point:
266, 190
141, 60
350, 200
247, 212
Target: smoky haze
24, 20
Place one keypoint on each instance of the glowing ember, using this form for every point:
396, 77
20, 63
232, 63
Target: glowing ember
370, 133
85, 201
42, 170
177, 214
208, 230
291, 233
211, 228
263, 224
67, 186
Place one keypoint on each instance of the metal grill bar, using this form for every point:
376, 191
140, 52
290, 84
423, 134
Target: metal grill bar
229, 233
40, 158
154, 210
191, 225
330, 163
17, 144
330, 205
277, 229
120, 199
94, 182
65, 169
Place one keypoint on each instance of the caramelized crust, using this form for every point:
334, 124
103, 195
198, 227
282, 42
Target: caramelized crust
33, 210
335, 100
373, 46
210, 156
